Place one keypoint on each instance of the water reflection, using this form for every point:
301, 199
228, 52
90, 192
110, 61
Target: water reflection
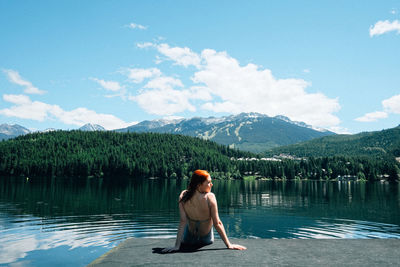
88, 217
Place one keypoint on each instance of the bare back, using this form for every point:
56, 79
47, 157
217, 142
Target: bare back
198, 213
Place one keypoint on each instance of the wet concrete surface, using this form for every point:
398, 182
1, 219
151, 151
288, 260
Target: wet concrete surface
260, 252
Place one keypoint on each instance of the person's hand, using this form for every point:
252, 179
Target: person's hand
236, 246
169, 250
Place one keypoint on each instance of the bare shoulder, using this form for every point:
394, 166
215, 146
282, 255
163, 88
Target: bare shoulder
211, 197
182, 194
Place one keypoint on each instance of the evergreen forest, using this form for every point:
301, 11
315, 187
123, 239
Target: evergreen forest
146, 155
381, 144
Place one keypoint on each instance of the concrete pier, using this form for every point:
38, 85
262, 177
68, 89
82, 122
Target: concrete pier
260, 252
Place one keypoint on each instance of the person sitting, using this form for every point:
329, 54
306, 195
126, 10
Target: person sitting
198, 211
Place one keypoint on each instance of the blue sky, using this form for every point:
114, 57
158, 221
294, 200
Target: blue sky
331, 64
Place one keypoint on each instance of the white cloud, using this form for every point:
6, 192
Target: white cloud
17, 99
248, 88
145, 45
221, 84
122, 94
373, 116
25, 108
115, 87
14, 77
200, 93
392, 104
108, 85
160, 96
393, 11
81, 116
137, 75
306, 71
164, 83
183, 56
382, 27
136, 26
173, 118
164, 101
158, 60
163, 95
339, 130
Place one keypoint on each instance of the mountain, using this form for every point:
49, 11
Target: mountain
8, 131
92, 127
246, 131
379, 143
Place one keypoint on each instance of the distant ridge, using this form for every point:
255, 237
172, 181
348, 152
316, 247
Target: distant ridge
92, 127
253, 132
48, 130
8, 131
379, 143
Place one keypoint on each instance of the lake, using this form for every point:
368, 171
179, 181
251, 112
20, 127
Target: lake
72, 221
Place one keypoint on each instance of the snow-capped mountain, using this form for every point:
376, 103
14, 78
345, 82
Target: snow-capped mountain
247, 131
8, 131
92, 127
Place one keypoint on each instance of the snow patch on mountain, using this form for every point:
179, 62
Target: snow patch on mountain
48, 130
299, 123
207, 135
238, 129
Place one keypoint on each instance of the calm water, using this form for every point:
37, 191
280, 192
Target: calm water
72, 221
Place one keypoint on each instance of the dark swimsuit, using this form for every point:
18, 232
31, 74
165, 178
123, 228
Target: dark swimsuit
193, 239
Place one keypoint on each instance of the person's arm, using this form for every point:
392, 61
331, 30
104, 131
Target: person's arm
181, 228
218, 223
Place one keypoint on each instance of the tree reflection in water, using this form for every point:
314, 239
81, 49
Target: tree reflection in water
38, 215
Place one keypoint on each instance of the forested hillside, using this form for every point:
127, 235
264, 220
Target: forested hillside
111, 154
79, 153
384, 143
